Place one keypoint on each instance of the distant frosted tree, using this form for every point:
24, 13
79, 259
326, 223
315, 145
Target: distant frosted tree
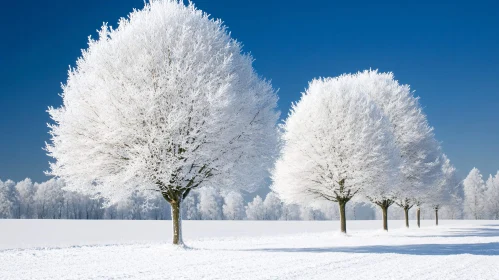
255, 209
13, 197
166, 102
453, 209
210, 204
273, 207
311, 214
290, 212
441, 193
26, 192
492, 196
336, 143
474, 198
361, 211
233, 207
49, 199
6, 204
190, 209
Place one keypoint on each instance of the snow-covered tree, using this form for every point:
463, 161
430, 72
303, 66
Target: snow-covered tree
210, 204
414, 137
330, 211
273, 207
165, 102
492, 196
233, 207
308, 213
336, 143
49, 198
255, 209
361, 211
189, 207
474, 188
6, 204
25, 192
441, 193
290, 212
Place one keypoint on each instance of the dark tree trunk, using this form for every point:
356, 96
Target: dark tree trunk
176, 222
343, 218
406, 212
175, 198
384, 208
436, 216
418, 216
384, 204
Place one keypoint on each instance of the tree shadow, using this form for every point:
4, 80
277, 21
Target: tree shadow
485, 231
482, 249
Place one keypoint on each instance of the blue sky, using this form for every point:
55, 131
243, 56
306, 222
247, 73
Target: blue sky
447, 51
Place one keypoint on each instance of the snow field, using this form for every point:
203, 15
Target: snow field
248, 250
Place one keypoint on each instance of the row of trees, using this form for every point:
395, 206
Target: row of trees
50, 200
361, 137
167, 103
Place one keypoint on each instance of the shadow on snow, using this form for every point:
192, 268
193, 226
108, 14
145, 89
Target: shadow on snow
486, 231
482, 249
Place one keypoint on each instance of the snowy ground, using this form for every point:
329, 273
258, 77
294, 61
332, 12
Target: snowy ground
54, 249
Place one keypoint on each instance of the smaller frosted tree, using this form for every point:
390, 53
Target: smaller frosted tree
6, 204
255, 209
273, 207
308, 213
336, 143
290, 212
49, 199
189, 208
210, 204
233, 208
419, 151
26, 192
441, 193
474, 198
492, 196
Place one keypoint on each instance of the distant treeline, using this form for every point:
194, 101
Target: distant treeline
48, 200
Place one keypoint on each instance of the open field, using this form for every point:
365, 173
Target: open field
61, 249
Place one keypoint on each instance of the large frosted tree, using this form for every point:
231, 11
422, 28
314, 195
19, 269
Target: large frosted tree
336, 143
474, 190
166, 103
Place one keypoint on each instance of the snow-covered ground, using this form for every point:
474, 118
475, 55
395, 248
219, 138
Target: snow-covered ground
59, 249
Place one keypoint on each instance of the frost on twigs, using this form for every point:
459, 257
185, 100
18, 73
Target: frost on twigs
165, 103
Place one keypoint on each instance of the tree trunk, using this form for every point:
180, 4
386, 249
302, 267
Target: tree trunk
176, 222
436, 216
343, 218
384, 207
406, 212
418, 216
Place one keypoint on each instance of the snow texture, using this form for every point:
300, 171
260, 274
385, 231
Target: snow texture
247, 250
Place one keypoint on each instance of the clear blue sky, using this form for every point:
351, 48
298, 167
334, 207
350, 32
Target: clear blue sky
447, 51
